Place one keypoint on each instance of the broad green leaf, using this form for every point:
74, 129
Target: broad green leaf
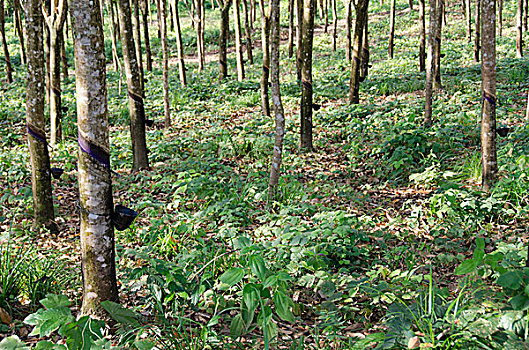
526, 290
520, 302
258, 267
466, 266
510, 280
232, 276
13, 343
53, 319
250, 298
480, 243
47, 345
271, 331
478, 256
265, 315
53, 300
236, 326
120, 314
284, 306
144, 344
242, 242
270, 281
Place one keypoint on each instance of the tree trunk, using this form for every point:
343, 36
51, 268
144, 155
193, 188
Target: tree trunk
238, 39
438, 37
223, 38
145, 22
361, 17
364, 59
334, 24
95, 185
519, 30
348, 25
309, 9
55, 22
326, 15
64, 58
165, 65
488, 107
136, 108
291, 28
477, 36
265, 37
36, 124
469, 20
199, 21
391, 29
19, 30
525, 15
179, 47
500, 17
431, 66
276, 98
410, 2
137, 39
9, 69
422, 35
299, 29
248, 32
115, 30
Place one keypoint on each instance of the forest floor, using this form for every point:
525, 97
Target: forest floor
379, 215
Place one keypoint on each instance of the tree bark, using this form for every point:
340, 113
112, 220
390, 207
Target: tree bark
145, 23
431, 63
115, 31
422, 35
36, 124
477, 38
361, 17
309, 9
140, 159
519, 30
348, 25
276, 98
9, 69
179, 47
247, 32
265, 37
55, 22
334, 24
165, 65
500, 17
199, 21
137, 38
95, 185
488, 107
223, 37
525, 15
238, 39
391, 44
19, 30
364, 59
291, 28
438, 38
299, 39
469, 20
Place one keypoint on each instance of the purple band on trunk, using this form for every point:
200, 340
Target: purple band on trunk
36, 134
135, 97
491, 99
96, 152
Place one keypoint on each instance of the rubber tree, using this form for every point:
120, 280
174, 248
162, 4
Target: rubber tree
361, 8
299, 39
488, 86
279, 113
165, 64
422, 36
431, 61
500, 17
438, 39
198, 20
114, 35
140, 159
265, 43
238, 39
391, 44
224, 7
307, 35
36, 124
179, 46
469, 19
364, 58
145, 24
136, 29
477, 36
334, 24
348, 24
291, 30
55, 23
95, 185
247, 32
519, 30
9, 69
18, 28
